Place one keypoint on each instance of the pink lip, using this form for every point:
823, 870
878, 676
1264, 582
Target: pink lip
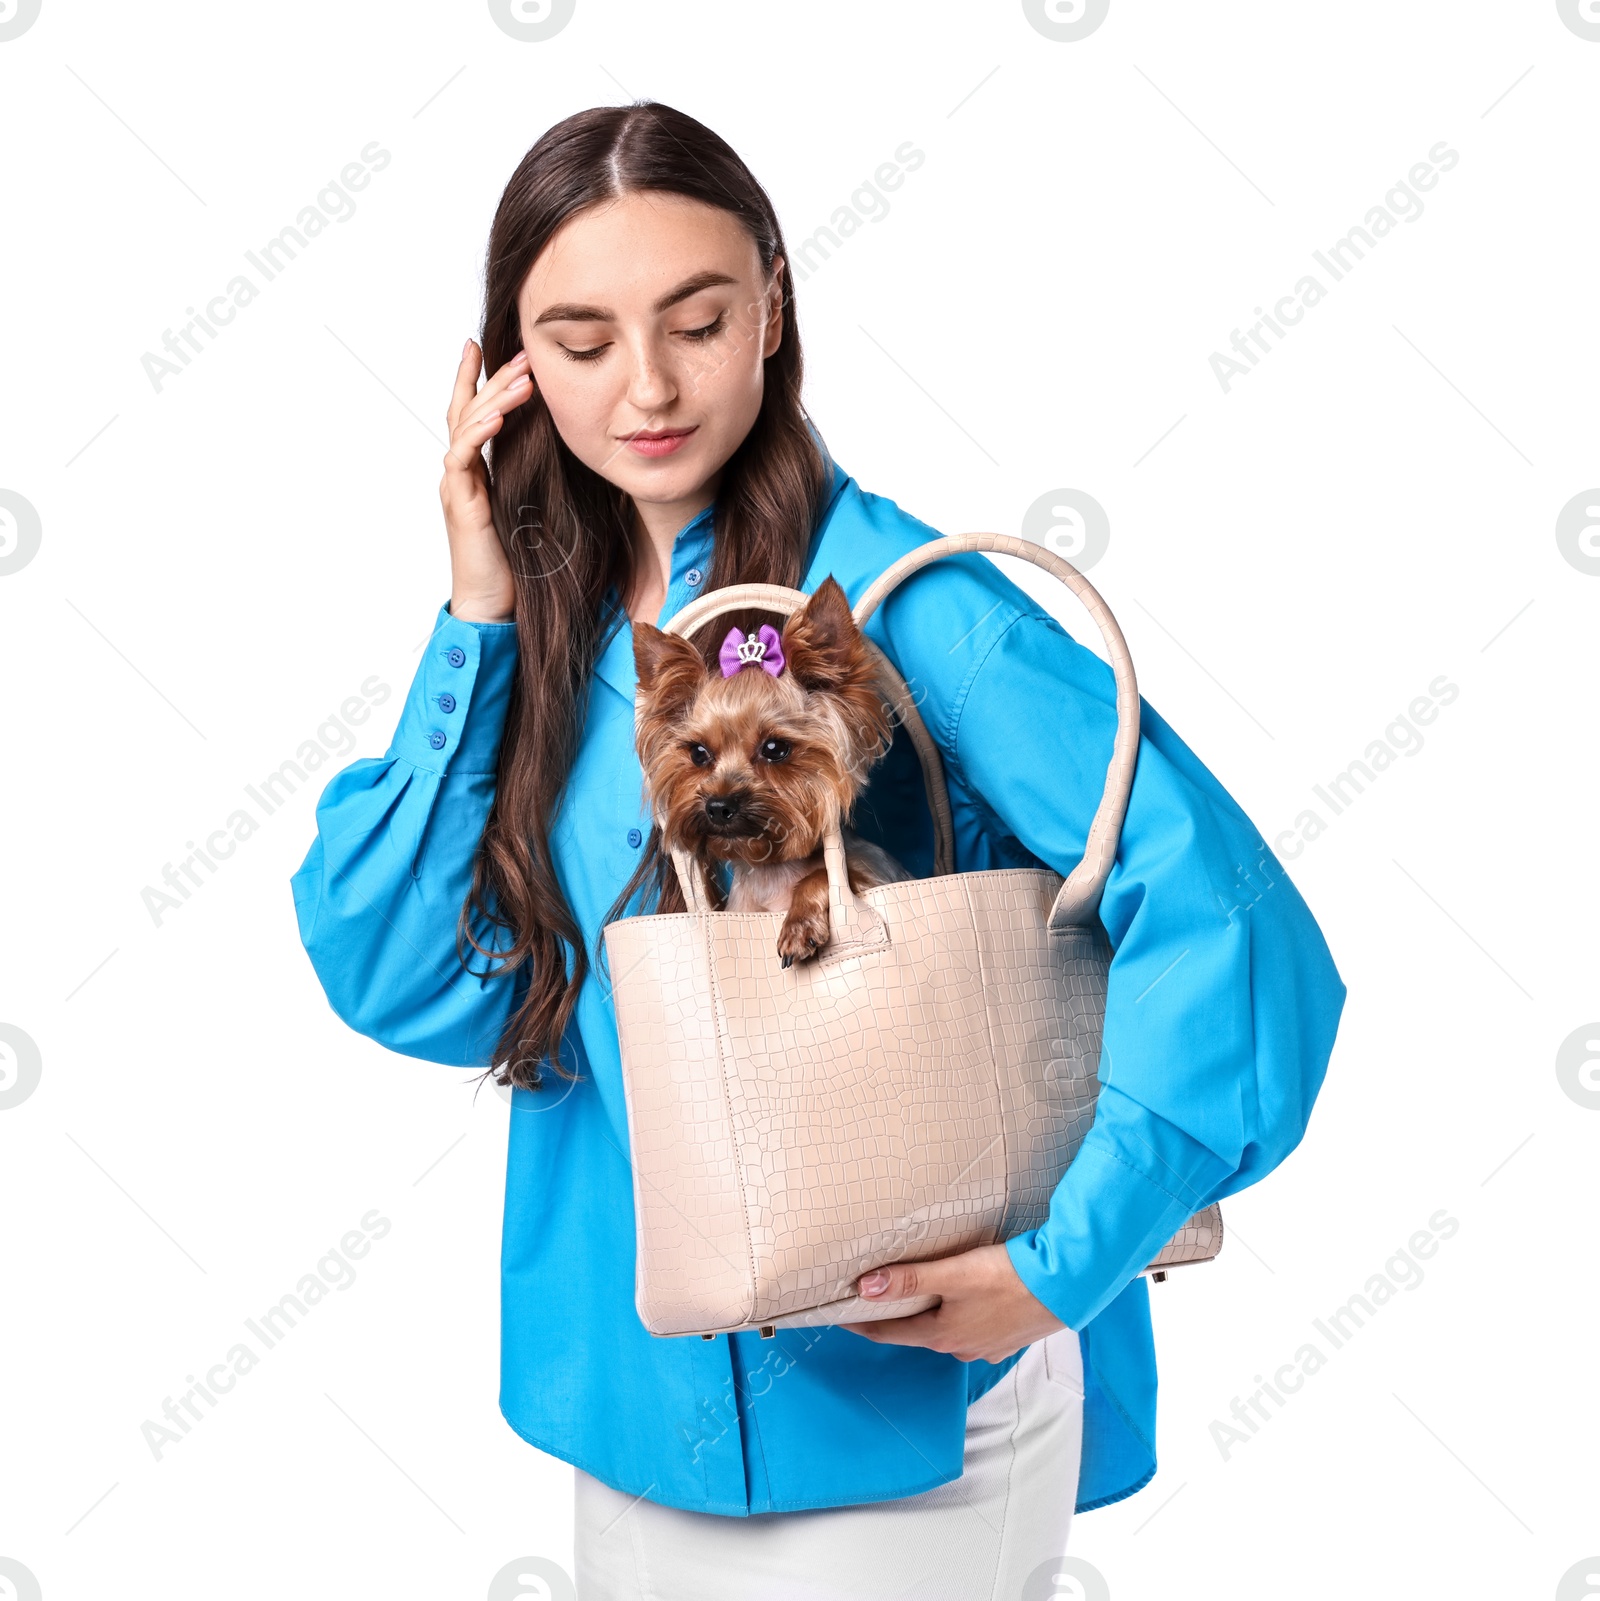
659, 443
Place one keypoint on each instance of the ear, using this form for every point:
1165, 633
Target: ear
669, 669
775, 308
822, 646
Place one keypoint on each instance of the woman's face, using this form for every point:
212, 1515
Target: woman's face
649, 314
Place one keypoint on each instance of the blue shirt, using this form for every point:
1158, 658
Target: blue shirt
1221, 1010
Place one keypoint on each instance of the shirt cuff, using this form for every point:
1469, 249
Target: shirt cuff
1112, 1212
455, 712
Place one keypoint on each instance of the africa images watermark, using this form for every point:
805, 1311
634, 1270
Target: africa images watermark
20, 532
715, 1414
333, 204
333, 738
1401, 204
1401, 1272
867, 204
1401, 738
1065, 21
1577, 1066
1069, 523
532, 21
531, 1578
334, 1271
21, 1066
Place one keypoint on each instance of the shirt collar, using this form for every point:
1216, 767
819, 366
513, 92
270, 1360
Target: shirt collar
691, 561
691, 557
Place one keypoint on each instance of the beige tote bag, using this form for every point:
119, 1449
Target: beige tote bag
914, 1090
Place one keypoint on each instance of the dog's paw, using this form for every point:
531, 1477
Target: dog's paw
801, 937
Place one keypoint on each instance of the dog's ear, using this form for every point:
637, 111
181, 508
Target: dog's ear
822, 646
669, 669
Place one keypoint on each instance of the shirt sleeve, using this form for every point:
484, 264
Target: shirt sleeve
1222, 997
379, 895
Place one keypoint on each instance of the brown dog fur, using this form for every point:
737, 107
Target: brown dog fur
753, 769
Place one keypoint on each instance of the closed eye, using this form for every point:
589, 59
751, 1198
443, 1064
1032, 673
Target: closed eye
715, 326
773, 750
695, 336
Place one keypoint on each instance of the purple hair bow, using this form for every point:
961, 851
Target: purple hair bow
762, 650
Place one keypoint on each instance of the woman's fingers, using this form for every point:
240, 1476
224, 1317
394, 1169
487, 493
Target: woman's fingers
471, 433
498, 397
481, 583
466, 384
468, 439
471, 409
465, 393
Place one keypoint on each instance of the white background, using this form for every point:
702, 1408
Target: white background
224, 562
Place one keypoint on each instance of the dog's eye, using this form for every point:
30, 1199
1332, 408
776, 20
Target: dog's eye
699, 755
774, 750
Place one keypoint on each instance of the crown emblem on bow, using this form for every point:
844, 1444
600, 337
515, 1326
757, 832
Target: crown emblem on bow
763, 650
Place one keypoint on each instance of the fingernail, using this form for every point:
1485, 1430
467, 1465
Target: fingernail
517, 383
465, 348
874, 1283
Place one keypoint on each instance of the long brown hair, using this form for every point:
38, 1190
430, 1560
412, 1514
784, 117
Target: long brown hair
569, 534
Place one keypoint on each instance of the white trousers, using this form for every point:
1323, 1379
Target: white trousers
979, 1538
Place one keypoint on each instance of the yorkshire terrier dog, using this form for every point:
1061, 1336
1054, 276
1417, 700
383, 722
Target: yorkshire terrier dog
750, 762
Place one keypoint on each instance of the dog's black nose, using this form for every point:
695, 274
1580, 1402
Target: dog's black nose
722, 808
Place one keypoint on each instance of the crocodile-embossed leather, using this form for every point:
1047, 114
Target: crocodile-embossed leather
914, 1090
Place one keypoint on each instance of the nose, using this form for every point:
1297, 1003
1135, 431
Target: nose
722, 808
650, 387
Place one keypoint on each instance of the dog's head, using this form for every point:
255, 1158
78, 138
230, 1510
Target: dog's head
751, 764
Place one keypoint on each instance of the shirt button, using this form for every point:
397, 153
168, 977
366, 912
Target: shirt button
456, 656
447, 703
693, 577
634, 836
436, 739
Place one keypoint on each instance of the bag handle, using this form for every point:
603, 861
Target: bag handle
1079, 896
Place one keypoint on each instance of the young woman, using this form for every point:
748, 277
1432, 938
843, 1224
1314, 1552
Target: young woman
644, 403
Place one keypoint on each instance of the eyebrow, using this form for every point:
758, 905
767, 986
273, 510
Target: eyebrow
572, 311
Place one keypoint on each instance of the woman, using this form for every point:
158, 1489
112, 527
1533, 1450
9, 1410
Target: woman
643, 400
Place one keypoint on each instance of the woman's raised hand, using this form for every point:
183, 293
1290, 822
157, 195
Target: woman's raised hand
481, 590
